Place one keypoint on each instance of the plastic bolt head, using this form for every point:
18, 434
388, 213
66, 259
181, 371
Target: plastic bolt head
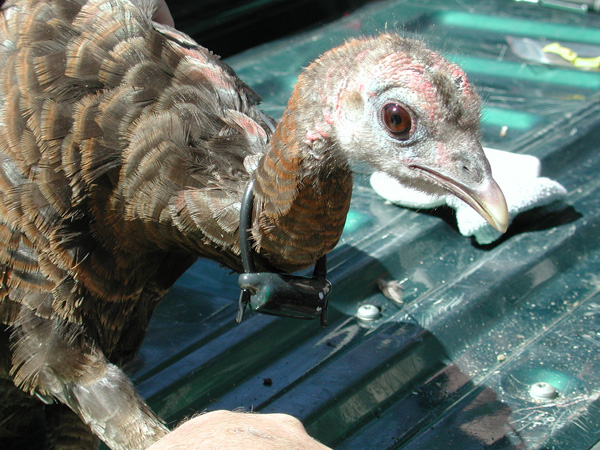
543, 391
368, 312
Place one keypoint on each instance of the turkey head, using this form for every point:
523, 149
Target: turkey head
406, 111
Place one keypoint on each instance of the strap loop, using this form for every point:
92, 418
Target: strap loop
273, 293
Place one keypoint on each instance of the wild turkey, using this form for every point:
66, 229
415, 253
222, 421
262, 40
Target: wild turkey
125, 149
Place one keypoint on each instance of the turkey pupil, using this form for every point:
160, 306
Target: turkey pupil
397, 119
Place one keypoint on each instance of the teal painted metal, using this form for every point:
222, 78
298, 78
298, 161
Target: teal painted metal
450, 366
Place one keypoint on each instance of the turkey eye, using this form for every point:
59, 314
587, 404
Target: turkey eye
397, 119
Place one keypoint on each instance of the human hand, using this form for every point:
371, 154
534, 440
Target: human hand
225, 430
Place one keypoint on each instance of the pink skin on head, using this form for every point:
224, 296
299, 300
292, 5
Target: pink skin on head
442, 151
403, 70
361, 55
316, 134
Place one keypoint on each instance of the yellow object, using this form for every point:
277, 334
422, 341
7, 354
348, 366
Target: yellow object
571, 56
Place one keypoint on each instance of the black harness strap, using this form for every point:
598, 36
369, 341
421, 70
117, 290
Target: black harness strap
273, 293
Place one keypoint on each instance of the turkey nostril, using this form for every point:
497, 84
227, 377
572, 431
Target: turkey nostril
471, 173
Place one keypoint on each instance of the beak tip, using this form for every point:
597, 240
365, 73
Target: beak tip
495, 211
501, 226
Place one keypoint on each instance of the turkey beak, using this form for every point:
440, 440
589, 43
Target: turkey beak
485, 196
488, 200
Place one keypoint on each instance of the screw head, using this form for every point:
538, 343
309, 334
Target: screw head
368, 312
542, 391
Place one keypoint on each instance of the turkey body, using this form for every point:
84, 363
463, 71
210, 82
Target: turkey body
125, 149
105, 117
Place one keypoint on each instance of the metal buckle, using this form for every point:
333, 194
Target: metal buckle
274, 293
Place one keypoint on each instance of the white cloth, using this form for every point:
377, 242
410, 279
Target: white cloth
517, 175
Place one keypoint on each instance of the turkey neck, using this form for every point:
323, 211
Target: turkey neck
302, 192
